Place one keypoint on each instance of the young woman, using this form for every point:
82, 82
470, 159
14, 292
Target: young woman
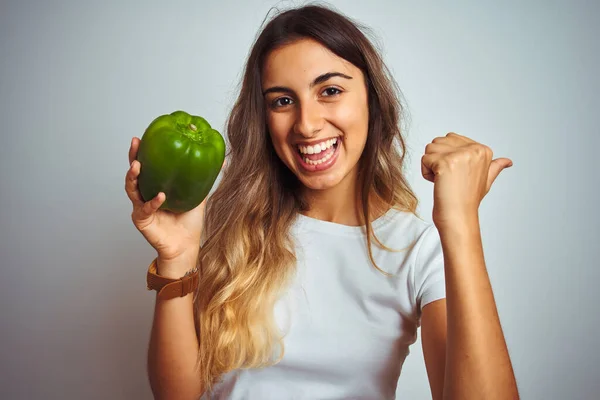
314, 269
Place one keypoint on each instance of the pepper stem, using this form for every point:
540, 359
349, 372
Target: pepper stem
193, 127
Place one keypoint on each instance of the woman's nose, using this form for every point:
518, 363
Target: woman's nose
309, 120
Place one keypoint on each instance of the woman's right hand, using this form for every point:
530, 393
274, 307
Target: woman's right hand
176, 237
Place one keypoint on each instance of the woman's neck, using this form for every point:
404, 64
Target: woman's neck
342, 204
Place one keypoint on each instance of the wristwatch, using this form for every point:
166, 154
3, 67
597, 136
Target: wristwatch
169, 288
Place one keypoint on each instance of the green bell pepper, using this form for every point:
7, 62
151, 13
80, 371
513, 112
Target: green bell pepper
181, 155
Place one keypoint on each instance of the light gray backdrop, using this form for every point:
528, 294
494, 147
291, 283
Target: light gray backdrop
79, 79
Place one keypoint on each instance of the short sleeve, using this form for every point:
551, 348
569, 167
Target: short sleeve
429, 274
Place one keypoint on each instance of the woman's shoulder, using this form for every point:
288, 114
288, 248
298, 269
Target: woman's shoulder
412, 232
401, 221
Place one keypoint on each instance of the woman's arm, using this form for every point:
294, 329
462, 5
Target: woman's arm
173, 345
476, 361
470, 344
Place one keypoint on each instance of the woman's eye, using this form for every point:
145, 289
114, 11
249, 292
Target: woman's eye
331, 91
282, 101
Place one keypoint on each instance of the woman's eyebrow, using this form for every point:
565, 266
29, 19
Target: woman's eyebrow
319, 79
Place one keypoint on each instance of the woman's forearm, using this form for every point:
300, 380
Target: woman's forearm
173, 349
478, 365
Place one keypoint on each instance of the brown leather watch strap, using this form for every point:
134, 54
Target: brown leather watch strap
168, 288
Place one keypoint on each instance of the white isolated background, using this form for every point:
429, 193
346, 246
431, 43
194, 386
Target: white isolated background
78, 79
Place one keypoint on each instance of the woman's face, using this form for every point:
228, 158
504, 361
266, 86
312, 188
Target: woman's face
317, 112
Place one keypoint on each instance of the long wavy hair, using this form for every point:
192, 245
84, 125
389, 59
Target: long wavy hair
248, 256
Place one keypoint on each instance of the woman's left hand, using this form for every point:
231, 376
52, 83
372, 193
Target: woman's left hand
463, 172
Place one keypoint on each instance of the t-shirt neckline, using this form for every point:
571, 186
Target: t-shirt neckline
314, 224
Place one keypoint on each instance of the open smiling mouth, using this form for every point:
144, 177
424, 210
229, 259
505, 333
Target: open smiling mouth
320, 156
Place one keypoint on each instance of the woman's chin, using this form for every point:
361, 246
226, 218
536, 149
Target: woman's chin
322, 182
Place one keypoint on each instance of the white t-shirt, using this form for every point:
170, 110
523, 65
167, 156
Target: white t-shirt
348, 327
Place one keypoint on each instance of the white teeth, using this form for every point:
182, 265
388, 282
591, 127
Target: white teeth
320, 161
316, 149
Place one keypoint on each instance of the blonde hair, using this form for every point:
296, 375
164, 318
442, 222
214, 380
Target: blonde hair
248, 258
